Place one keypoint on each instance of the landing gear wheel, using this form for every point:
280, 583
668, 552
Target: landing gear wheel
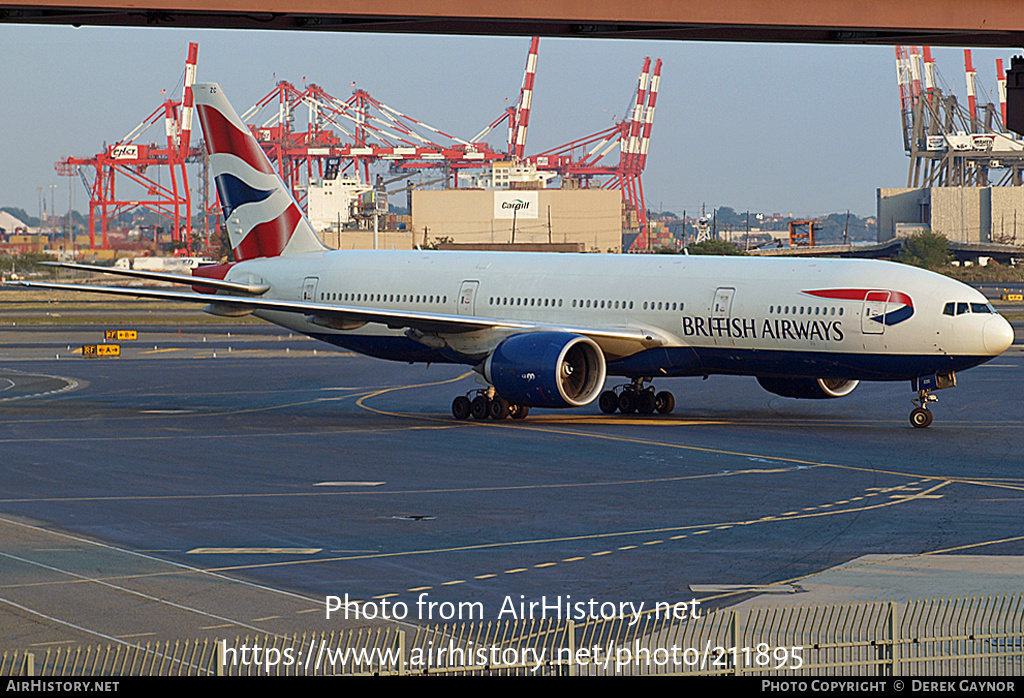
637, 396
920, 417
461, 407
608, 402
518, 411
480, 407
646, 402
664, 402
499, 408
627, 402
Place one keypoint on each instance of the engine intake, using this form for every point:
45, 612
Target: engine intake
808, 388
547, 369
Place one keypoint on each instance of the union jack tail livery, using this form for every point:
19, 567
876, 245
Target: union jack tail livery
262, 218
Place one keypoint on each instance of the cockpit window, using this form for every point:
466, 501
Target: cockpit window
962, 308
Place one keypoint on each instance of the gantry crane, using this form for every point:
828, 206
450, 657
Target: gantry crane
129, 159
949, 145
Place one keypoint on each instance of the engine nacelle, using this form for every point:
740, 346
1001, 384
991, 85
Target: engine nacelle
547, 369
808, 388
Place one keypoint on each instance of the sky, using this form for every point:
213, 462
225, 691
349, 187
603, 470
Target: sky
801, 129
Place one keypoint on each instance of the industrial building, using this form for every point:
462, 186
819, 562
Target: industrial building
962, 214
592, 217
966, 168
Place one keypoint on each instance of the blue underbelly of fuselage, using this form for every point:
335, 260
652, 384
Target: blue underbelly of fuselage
699, 361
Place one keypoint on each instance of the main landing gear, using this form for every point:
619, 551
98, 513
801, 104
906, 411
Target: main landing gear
486, 403
634, 397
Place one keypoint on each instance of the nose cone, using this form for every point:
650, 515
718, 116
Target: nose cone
998, 335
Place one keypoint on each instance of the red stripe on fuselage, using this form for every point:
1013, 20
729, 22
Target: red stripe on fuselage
860, 294
222, 136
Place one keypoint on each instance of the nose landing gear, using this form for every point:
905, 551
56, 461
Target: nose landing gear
921, 416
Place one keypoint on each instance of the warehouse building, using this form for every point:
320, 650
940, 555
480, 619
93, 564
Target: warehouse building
591, 217
961, 214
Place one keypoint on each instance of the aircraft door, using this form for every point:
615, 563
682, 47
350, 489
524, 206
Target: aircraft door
722, 306
874, 307
467, 297
309, 288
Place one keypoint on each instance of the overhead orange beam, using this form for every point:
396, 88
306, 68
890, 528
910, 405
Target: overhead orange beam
977, 23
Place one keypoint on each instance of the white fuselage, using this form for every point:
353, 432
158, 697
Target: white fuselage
742, 315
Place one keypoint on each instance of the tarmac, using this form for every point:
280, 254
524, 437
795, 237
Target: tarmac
209, 485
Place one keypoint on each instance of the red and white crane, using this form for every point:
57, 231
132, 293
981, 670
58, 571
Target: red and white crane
359, 131
370, 131
951, 144
583, 158
1001, 82
129, 159
521, 118
972, 98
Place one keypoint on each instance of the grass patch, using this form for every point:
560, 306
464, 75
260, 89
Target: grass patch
38, 307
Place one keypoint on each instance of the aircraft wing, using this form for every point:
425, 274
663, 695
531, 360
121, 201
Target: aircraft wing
618, 341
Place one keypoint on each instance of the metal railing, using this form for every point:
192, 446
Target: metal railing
968, 636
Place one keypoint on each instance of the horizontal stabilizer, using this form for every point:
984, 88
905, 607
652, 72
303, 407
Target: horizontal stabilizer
254, 289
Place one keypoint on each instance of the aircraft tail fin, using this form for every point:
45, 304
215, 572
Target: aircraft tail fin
262, 218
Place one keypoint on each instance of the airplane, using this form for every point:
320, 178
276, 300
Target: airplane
547, 330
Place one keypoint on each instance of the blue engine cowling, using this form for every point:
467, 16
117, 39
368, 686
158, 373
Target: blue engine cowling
808, 388
547, 369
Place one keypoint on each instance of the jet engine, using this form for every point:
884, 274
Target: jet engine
547, 369
808, 388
